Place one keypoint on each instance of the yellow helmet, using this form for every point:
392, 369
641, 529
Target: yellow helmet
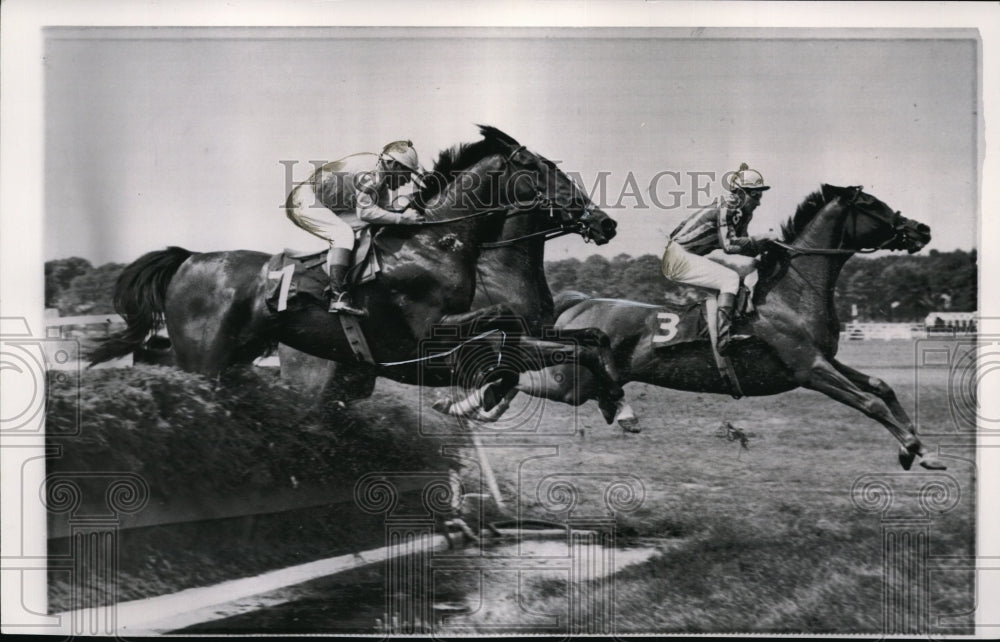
403, 153
746, 178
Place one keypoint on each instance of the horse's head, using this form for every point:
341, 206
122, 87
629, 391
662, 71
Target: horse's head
870, 224
558, 196
498, 174
537, 185
847, 219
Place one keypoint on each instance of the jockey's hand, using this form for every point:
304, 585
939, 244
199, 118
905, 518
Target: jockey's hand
765, 240
413, 218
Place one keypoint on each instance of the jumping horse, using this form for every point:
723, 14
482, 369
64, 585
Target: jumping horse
214, 309
511, 272
790, 340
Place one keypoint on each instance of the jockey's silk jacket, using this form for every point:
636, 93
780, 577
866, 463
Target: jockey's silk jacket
723, 226
354, 189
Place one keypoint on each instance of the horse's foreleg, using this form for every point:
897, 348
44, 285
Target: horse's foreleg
483, 318
471, 405
879, 388
498, 410
824, 377
884, 392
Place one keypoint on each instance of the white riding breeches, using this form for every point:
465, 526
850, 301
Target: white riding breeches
316, 219
684, 267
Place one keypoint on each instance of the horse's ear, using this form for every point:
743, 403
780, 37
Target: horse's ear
492, 132
830, 192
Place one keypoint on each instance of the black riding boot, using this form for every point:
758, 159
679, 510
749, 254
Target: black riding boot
338, 298
724, 321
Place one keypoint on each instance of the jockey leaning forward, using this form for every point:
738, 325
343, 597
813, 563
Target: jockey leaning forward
723, 226
345, 196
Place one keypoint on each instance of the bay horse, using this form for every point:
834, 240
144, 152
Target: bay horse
214, 309
511, 272
789, 342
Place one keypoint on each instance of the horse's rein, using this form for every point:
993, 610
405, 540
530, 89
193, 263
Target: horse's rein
514, 209
795, 251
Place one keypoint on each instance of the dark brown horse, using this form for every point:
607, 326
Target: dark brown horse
790, 342
510, 272
214, 308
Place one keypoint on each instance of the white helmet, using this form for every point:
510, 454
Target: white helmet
403, 153
746, 178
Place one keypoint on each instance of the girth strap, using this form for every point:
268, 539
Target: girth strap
356, 338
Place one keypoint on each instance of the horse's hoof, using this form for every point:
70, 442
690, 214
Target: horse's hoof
930, 463
630, 424
442, 405
906, 458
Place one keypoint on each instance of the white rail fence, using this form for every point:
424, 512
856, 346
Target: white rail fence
890, 331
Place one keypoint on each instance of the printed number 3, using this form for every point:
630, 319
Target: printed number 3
668, 324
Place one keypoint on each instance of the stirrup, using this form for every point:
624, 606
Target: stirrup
339, 305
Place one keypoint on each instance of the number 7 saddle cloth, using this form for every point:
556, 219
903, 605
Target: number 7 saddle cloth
295, 278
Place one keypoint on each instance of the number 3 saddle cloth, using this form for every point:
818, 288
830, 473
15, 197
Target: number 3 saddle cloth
672, 324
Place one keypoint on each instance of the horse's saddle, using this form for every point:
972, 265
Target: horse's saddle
684, 318
293, 276
679, 323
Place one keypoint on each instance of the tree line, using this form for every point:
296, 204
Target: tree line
887, 288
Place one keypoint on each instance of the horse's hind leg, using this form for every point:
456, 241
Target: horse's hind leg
595, 354
824, 377
884, 392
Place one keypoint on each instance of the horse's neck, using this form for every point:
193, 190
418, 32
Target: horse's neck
516, 275
808, 284
474, 227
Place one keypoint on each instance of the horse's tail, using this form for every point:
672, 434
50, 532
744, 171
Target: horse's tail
140, 297
567, 299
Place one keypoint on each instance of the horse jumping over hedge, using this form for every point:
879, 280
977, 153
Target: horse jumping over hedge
216, 316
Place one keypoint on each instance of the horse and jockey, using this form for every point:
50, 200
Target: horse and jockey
214, 308
217, 313
354, 192
698, 250
789, 340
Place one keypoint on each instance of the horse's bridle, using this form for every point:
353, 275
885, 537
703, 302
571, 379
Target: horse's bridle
539, 201
853, 211
543, 202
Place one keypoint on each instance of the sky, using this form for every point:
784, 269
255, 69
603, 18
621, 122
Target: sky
157, 137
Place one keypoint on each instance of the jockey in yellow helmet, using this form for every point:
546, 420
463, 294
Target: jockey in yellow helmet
347, 195
721, 226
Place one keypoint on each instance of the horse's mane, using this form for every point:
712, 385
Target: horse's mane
804, 213
774, 263
462, 156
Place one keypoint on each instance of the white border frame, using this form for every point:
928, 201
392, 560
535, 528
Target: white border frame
22, 175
